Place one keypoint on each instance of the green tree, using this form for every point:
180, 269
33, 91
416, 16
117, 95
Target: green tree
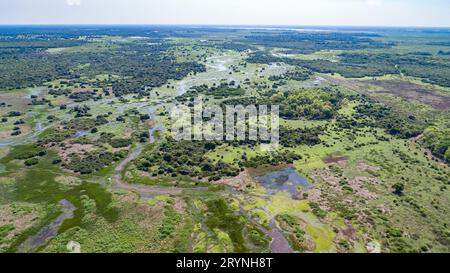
398, 188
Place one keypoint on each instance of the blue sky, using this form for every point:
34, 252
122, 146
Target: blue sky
228, 12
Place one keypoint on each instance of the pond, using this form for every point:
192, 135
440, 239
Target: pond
287, 179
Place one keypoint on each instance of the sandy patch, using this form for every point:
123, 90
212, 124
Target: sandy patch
127, 133
327, 176
70, 181
78, 149
239, 182
357, 184
180, 205
24, 128
149, 215
384, 209
350, 232
5, 135
6, 180
315, 195
21, 216
145, 216
340, 161
115, 150
373, 247
365, 167
127, 196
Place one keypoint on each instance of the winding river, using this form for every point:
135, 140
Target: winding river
143, 190
48, 232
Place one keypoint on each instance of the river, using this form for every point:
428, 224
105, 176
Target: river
48, 232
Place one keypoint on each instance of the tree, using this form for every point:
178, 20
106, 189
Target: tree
447, 155
398, 188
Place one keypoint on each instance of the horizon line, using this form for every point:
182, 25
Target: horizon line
223, 25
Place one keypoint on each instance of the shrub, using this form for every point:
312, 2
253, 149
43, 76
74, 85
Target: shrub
31, 162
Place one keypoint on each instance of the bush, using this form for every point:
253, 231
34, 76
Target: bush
23, 152
53, 135
94, 161
31, 162
398, 188
120, 142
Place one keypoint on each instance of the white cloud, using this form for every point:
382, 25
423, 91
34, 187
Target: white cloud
73, 2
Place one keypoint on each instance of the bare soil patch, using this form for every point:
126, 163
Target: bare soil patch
22, 217
25, 129
239, 182
350, 232
69, 181
78, 149
328, 177
341, 161
403, 89
413, 92
334, 159
315, 195
16, 99
365, 167
180, 205
358, 185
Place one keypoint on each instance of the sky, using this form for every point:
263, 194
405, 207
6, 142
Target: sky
430, 13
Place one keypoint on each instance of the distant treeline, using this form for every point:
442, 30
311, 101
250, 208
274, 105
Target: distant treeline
357, 65
26, 63
306, 43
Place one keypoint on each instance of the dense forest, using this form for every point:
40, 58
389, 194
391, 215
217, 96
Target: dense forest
28, 63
